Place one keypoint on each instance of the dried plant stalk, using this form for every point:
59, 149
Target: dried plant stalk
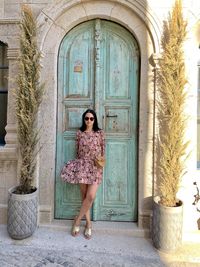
28, 98
171, 102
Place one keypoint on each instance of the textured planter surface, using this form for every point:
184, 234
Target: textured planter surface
167, 226
22, 214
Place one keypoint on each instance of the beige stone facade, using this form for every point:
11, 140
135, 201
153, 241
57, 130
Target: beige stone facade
144, 20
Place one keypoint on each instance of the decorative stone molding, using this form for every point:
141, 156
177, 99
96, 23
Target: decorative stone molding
154, 60
12, 53
51, 13
9, 21
7, 153
11, 136
8, 31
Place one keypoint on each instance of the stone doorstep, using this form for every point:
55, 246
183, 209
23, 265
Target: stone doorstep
125, 228
188, 253
192, 237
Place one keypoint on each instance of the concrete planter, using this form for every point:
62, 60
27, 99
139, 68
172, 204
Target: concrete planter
22, 214
167, 226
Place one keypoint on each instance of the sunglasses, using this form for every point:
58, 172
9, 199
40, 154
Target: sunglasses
87, 118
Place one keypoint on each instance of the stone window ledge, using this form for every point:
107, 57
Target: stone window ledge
8, 153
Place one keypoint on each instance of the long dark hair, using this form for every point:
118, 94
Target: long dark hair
95, 125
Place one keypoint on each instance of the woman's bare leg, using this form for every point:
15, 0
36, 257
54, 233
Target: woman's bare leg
83, 188
87, 203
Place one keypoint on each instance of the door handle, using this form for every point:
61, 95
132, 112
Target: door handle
111, 213
111, 116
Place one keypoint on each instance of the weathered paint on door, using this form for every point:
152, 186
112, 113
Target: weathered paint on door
98, 68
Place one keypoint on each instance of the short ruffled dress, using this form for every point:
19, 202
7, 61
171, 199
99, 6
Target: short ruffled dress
83, 170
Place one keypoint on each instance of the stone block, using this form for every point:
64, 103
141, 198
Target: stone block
53, 39
45, 214
7, 178
144, 221
94, 9
66, 21
127, 16
47, 174
3, 195
3, 214
12, 10
44, 217
9, 29
47, 116
58, 7
1, 9
37, 8
9, 2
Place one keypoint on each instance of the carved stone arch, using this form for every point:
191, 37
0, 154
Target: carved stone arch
102, 9
55, 22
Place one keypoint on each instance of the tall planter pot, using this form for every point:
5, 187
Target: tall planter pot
22, 214
167, 226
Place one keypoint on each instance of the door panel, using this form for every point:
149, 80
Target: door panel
117, 66
117, 120
79, 64
75, 95
117, 198
98, 68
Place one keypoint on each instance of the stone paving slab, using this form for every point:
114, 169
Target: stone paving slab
11, 255
50, 247
55, 248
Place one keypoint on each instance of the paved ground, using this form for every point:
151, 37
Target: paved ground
54, 247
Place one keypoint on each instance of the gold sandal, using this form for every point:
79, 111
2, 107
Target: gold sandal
88, 232
75, 229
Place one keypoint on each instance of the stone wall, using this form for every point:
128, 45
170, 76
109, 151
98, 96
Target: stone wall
144, 20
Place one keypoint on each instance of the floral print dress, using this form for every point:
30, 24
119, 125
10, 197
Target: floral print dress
83, 170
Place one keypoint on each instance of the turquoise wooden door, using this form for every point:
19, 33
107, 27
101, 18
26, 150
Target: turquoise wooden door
98, 68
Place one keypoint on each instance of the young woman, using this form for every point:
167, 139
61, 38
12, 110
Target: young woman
90, 144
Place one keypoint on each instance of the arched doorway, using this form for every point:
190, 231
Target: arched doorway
98, 67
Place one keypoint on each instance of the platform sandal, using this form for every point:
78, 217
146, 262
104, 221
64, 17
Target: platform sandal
88, 232
75, 229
